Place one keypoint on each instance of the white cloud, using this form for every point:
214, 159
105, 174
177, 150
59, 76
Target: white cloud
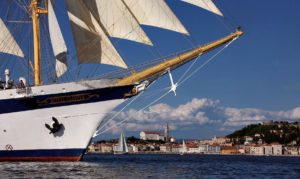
198, 112
293, 114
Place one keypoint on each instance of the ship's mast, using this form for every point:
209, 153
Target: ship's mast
36, 11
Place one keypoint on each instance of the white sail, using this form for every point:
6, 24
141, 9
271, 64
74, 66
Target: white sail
91, 41
184, 148
8, 44
205, 4
118, 20
122, 146
155, 13
57, 41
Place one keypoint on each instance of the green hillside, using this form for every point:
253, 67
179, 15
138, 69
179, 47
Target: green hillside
279, 131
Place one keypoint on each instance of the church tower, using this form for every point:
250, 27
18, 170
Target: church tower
167, 133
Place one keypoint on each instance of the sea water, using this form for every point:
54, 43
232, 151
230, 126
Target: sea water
158, 166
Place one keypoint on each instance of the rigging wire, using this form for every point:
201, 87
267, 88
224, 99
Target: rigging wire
119, 112
162, 96
230, 21
222, 19
116, 114
23, 5
18, 31
142, 109
206, 62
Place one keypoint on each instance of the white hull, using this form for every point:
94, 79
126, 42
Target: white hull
24, 136
27, 131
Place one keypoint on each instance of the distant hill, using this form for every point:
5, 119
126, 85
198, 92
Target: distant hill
279, 131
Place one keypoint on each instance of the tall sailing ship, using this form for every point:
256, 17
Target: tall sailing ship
56, 121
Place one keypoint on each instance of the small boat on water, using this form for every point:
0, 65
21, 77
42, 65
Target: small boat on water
183, 148
121, 148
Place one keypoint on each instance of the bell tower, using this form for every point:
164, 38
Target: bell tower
167, 133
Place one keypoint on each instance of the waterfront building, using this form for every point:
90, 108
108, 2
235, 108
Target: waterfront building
151, 135
242, 151
219, 140
205, 141
292, 151
203, 148
106, 148
192, 147
229, 150
252, 150
257, 150
277, 148
130, 148
247, 149
135, 148
144, 147
165, 148
213, 149
268, 149
176, 148
95, 148
209, 149
91, 148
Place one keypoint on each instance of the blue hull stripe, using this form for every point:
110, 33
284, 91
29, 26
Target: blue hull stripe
63, 99
42, 153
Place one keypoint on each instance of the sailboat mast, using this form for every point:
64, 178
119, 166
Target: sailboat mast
36, 11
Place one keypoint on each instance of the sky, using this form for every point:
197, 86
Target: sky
255, 79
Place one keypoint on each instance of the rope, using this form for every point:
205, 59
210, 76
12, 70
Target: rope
121, 122
114, 116
206, 62
142, 109
189, 68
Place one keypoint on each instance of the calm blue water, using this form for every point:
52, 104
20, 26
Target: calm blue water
158, 166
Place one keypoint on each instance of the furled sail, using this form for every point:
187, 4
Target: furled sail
8, 44
155, 13
57, 41
91, 41
205, 4
118, 20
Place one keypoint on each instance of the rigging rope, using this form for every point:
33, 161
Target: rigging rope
124, 120
179, 83
114, 116
206, 62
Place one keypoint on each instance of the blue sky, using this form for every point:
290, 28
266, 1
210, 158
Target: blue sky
255, 79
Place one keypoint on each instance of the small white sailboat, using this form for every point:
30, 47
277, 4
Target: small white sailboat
183, 149
121, 148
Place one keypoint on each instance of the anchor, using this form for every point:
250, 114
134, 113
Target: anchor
56, 126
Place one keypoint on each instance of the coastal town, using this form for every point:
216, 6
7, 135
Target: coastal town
156, 142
